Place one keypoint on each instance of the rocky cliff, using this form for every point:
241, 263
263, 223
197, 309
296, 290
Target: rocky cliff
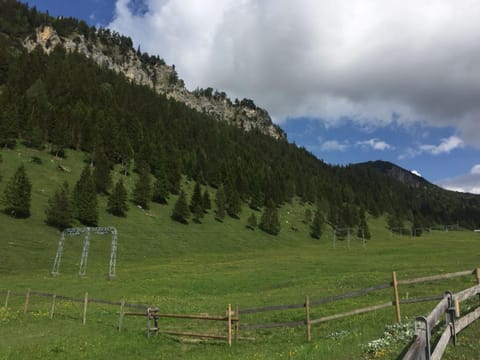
159, 76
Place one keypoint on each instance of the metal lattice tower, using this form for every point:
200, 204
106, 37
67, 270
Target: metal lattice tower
86, 246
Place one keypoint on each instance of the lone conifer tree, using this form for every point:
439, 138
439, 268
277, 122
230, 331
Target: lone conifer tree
117, 201
207, 204
85, 198
196, 202
160, 189
141, 193
180, 211
316, 227
59, 212
101, 172
269, 221
234, 204
17, 194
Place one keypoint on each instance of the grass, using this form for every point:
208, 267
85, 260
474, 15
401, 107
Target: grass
200, 268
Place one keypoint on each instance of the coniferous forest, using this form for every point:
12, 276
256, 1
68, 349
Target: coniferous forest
66, 101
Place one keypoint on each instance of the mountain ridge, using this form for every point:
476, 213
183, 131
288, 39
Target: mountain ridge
157, 75
395, 171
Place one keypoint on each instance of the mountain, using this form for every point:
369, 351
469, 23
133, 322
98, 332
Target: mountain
66, 85
116, 53
404, 176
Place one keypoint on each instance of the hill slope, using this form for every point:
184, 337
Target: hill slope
57, 97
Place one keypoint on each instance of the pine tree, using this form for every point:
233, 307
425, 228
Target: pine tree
256, 198
363, 230
316, 228
234, 204
160, 189
220, 202
196, 201
252, 222
85, 198
59, 212
101, 172
17, 194
270, 222
117, 201
207, 204
180, 211
198, 214
141, 193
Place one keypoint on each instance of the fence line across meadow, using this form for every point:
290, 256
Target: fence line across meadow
232, 318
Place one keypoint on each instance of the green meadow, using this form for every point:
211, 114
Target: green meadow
200, 269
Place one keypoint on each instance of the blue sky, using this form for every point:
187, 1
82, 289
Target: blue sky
350, 80
95, 12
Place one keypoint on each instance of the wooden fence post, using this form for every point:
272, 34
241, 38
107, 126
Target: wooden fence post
27, 299
85, 303
477, 275
237, 320
229, 325
122, 315
395, 294
6, 300
307, 318
52, 306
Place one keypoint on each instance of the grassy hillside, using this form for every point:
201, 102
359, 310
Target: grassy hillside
200, 268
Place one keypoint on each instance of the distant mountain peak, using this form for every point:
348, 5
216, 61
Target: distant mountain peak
408, 177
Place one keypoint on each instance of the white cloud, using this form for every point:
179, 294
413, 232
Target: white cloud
363, 59
375, 144
465, 183
415, 172
334, 145
475, 170
446, 146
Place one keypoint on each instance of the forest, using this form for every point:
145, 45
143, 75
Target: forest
66, 101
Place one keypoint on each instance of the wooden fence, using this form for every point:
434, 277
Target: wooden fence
232, 318
449, 306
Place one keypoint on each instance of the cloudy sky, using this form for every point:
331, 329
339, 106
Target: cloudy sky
350, 80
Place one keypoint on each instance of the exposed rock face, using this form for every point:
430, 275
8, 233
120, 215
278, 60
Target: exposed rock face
162, 78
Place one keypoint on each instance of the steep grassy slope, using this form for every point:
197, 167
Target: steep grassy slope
199, 268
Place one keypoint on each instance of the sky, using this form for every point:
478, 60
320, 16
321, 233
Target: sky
349, 80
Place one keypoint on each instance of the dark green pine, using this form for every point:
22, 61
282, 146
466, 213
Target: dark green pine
17, 194
85, 198
196, 201
207, 203
102, 173
316, 227
59, 212
160, 189
269, 221
180, 211
141, 193
117, 201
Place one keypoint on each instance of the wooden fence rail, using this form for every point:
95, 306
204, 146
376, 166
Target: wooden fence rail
233, 318
420, 349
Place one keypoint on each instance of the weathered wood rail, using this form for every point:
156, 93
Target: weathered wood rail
232, 318
397, 302
420, 349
